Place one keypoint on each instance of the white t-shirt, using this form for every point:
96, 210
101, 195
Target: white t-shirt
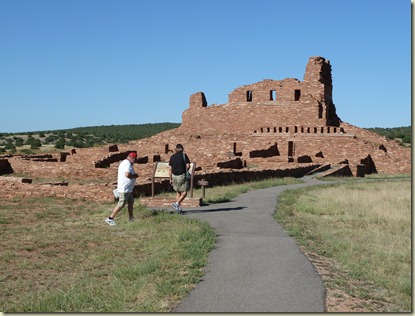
125, 184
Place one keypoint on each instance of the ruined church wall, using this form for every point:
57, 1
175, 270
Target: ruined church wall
269, 92
277, 103
245, 118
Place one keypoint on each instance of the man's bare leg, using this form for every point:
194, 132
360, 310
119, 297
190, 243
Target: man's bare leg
181, 196
116, 210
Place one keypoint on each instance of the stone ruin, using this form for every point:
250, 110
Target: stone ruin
272, 128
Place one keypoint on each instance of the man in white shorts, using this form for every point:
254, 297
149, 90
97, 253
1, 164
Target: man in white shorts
125, 186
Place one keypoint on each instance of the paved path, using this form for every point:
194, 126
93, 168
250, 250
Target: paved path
255, 266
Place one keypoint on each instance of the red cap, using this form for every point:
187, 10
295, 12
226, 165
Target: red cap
134, 155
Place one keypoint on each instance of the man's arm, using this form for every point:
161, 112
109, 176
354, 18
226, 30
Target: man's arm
131, 176
187, 162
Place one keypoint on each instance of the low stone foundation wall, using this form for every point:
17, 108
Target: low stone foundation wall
241, 176
339, 171
14, 187
166, 203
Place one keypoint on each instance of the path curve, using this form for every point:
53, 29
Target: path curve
255, 266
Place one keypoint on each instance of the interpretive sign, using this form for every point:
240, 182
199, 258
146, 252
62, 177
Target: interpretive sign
162, 170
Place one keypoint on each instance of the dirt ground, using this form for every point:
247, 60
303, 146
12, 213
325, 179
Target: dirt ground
338, 300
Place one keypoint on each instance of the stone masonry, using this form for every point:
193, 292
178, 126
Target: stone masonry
270, 128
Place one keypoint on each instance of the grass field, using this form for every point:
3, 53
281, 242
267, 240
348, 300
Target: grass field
60, 256
365, 228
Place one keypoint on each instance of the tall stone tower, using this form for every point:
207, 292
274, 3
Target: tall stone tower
318, 80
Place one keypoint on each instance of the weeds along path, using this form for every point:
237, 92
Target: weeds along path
255, 266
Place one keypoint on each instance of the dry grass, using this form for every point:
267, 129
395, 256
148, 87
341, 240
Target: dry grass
365, 228
58, 255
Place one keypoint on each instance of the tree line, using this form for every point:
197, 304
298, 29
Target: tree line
80, 137
402, 134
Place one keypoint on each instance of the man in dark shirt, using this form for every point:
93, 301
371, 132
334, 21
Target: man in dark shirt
178, 165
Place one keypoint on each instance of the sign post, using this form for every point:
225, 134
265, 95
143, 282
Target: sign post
203, 183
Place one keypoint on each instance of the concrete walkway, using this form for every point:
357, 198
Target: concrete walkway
255, 266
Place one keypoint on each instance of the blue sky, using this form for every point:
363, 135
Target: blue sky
75, 63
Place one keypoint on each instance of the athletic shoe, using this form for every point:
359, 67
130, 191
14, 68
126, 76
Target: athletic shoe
179, 209
176, 206
132, 219
110, 222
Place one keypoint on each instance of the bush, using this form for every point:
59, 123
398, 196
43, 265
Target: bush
50, 139
19, 142
35, 144
9, 146
60, 144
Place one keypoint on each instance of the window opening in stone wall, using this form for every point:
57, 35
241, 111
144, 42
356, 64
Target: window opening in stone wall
249, 95
320, 111
322, 130
297, 95
315, 130
290, 148
272, 95
302, 129
295, 129
280, 129
287, 129
308, 130
166, 148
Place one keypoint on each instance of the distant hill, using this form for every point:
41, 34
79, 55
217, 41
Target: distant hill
83, 137
402, 134
80, 137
